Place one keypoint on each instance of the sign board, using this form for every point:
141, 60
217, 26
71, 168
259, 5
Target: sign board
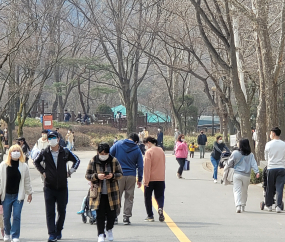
233, 140
47, 122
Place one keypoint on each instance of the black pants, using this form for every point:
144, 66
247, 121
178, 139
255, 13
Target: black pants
275, 180
104, 209
181, 162
191, 154
158, 187
52, 197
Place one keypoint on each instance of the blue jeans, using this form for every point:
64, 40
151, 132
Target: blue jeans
11, 202
215, 165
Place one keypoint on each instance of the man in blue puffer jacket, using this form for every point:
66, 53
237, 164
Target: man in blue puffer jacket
130, 158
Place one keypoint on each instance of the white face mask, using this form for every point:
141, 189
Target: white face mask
15, 154
146, 147
68, 132
182, 140
103, 157
44, 136
220, 141
175, 130
158, 130
53, 142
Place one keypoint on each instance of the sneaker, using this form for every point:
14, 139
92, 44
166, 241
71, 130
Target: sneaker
15, 240
80, 212
7, 237
116, 221
269, 209
59, 235
101, 238
149, 219
52, 238
126, 221
238, 209
215, 181
110, 235
243, 208
3, 233
161, 216
278, 210
178, 175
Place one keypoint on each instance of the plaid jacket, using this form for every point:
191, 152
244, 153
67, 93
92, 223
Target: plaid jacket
96, 167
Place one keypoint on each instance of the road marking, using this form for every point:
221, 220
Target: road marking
173, 227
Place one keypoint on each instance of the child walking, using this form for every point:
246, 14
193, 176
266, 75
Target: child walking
192, 148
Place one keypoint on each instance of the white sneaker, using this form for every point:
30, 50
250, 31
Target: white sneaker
110, 235
15, 240
243, 208
269, 209
238, 209
215, 181
101, 238
7, 237
278, 210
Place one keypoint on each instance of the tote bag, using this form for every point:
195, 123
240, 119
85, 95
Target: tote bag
231, 171
186, 165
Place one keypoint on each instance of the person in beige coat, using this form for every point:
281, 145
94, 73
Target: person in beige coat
69, 139
15, 182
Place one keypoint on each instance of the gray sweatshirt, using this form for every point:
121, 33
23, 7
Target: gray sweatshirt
243, 166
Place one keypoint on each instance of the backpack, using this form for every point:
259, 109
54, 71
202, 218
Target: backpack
62, 143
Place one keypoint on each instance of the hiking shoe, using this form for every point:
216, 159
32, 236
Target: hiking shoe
269, 209
101, 238
126, 221
215, 181
7, 237
238, 209
116, 221
161, 216
80, 212
110, 235
149, 219
243, 208
278, 210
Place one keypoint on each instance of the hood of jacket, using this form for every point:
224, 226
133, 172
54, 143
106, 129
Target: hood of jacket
128, 146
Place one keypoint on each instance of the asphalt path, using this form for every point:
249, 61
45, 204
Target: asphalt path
198, 211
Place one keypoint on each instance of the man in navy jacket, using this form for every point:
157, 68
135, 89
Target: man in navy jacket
130, 158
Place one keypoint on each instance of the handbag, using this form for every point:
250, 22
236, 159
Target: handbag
231, 171
186, 165
93, 191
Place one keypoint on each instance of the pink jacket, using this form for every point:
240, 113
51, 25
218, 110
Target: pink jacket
181, 150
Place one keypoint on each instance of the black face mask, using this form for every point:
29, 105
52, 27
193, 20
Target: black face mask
19, 143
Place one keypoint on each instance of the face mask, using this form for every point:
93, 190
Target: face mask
15, 154
175, 130
182, 140
220, 141
146, 147
53, 142
103, 157
44, 136
158, 130
68, 132
19, 143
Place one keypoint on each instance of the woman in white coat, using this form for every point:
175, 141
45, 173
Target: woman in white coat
242, 161
14, 184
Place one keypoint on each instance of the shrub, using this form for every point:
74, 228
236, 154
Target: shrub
31, 122
253, 179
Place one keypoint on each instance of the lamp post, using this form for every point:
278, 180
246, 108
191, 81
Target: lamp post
213, 112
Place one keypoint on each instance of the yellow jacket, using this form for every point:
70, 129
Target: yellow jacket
192, 148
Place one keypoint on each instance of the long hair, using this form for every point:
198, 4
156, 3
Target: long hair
9, 158
179, 137
244, 147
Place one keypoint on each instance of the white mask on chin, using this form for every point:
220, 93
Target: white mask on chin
103, 157
53, 142
220, 141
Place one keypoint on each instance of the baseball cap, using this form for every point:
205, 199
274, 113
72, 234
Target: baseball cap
21, 138
52, 133
44, 131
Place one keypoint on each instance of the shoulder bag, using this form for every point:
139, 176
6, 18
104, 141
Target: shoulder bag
231, 171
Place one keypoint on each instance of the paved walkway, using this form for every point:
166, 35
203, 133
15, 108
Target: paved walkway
198, 210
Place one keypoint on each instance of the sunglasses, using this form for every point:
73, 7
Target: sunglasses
50, 138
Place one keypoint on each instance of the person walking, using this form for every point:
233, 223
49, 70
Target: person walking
154, 178
176, 135
218, 149
67, 116
15, 182
55, 172
69, 139
130, 158
242, 160
181, 153
275, 157
25, 148
202, 141
159, 138
192, 148
104, 171
42, 142
6, 139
